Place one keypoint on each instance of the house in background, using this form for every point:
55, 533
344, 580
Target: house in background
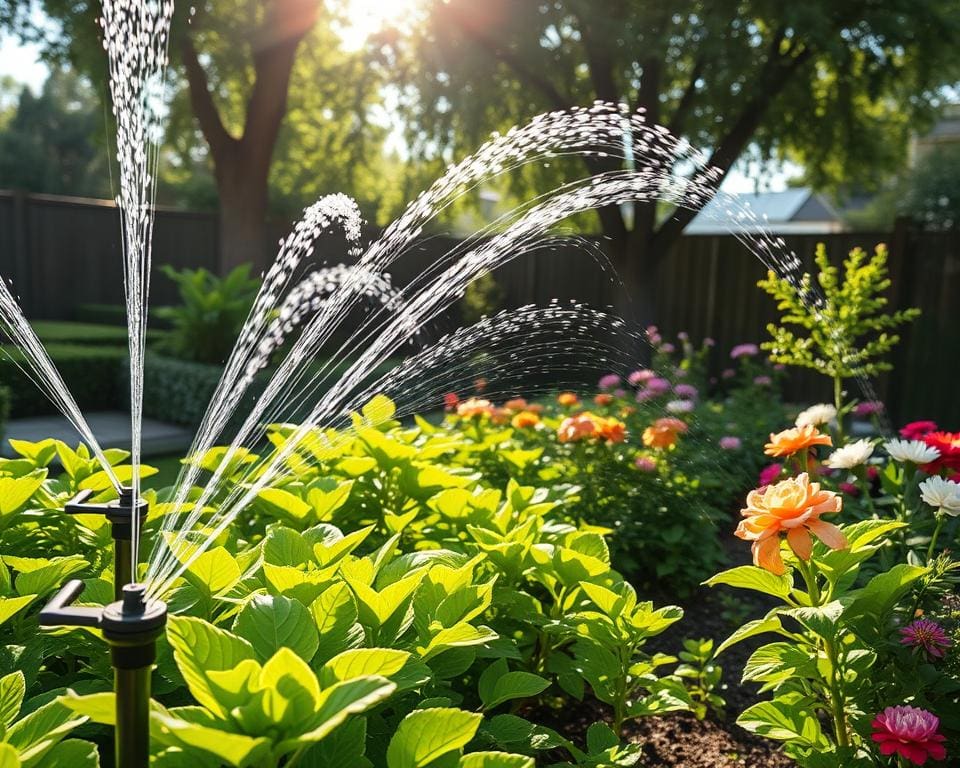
799, 211
945, 133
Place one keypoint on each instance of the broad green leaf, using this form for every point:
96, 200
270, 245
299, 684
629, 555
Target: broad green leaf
325, 503
339, 701
40, 453
99, 707
605, 599
283, 504
9, 758
769, 623
101, 481
344, 748
72, 753
458, 636
36, 734
12, 688
231, 748
361, 662
752, 577
330, 552
214, 571
495, 760
601, 737
48, 577
378, 410
284, 546
775, 662
16, 491
786, 718
10, 606
882, 592
497, 685
305, 586
271, 622
427, 734
199, 648
335, 615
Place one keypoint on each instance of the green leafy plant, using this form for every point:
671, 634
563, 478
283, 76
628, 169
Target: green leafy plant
841, 331
204, 327
701, 675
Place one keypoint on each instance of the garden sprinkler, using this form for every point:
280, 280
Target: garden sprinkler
120, 514
131, 626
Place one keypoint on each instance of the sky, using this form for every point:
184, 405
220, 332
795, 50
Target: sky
22, 62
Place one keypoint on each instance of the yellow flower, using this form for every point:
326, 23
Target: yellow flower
795, 439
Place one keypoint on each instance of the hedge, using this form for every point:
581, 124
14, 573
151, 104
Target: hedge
66, 332
90, 372
112, 314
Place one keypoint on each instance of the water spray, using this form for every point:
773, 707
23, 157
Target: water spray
131, 626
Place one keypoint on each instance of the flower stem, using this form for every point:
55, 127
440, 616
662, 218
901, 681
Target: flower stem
838, 404
933, 539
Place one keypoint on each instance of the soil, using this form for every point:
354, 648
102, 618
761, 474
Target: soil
679, 740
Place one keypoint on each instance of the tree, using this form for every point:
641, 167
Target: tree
932, 189
837, 86
47, 144
236, 65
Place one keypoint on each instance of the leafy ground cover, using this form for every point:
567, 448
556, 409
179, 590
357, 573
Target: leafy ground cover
519, 582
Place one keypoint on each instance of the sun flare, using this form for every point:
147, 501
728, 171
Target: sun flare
366, 17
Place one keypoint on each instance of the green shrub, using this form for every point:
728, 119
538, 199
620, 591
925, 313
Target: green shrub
66, 332
115, 314
4, 408
90, 373
205, 326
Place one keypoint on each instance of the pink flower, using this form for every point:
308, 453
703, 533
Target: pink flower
646, 394
709, 342
917, 429
619, 392
646, 464
731, 443
769, 474
609, 381
728, 373
680, 373
779, 367
868, 408
849, 488
744, 350
762, 381
658, 385
927, 635
668, 348
685, 391
909, 732
683, 336
638, 377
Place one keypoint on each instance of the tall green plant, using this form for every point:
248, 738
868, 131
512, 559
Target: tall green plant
206, 324
841, 329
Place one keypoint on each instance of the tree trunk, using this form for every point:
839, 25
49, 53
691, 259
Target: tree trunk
243, 211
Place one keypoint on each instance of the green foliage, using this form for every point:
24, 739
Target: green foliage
701, 675
931, 197
483, 297
206, 324
66, 332
91, 373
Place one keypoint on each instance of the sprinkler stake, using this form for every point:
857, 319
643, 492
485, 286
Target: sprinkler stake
120, 514
131, 626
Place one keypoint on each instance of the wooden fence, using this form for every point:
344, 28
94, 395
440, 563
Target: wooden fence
62, 252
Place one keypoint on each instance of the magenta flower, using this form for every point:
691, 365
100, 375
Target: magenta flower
685, 391
730, 443
909, 732
708, 342
849, 488
609, 381
769, 474
638, 377
646, 394
658, 385
728, 373
868, 408
927, 635
762, 381
744, 350
668, 348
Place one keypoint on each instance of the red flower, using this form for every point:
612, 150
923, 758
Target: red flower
917, 429
769, 475
450, 401
948, 443
910, 732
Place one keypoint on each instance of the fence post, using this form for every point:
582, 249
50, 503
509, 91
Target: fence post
899, 252
22, 284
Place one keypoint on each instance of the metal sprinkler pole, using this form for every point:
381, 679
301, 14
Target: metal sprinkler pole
120, 514
131, 626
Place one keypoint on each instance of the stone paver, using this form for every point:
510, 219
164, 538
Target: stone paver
111, 428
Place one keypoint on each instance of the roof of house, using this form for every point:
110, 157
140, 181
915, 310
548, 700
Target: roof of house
799, 210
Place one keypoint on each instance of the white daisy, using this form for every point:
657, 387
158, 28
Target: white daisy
680, 406
942, 494
851, 455
913, 451
815, 415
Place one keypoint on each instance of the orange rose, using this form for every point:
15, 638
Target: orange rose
603, 398
612, 430
475, 407
534, 408
575, 428
568, 399
525, 420
794, 506
663, 433
500, 416
516, 405
795, 439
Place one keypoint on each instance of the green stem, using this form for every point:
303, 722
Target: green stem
810, 579
933, 539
